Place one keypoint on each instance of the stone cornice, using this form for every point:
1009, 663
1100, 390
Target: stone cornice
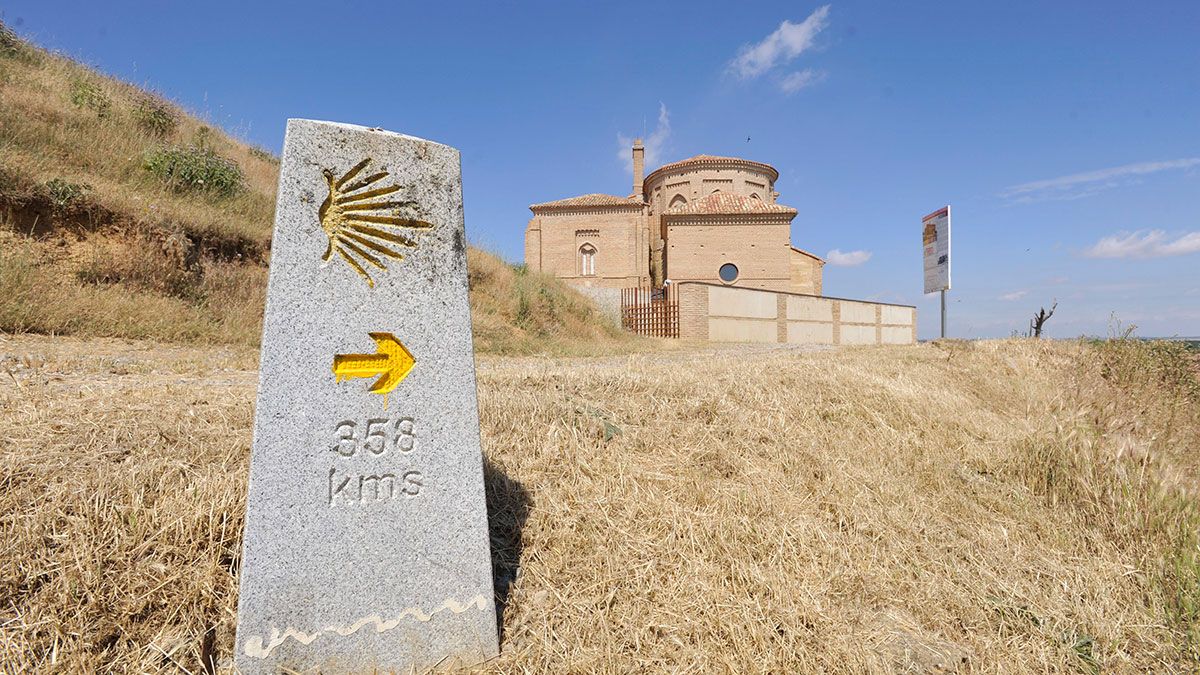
710, 161
727, 218
584, 210
589, 202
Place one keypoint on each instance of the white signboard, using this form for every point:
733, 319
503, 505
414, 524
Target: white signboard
935, 238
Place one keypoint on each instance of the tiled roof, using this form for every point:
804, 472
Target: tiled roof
727, 202
702, 160
705, 158
585, 201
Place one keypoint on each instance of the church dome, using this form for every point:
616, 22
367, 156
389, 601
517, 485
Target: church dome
694, 178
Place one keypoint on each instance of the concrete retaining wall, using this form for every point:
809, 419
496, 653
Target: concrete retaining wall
607, 300
729, 314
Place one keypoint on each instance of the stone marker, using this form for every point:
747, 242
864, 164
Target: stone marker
366, 542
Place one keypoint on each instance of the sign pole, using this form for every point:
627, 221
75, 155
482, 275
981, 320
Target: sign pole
943, 313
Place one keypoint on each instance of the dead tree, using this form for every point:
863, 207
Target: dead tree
1040, 319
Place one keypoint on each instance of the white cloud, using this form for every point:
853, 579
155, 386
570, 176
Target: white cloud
654, 142
1144, 244
1015, 295
786, 43
1079, 185
847, 259
800, 79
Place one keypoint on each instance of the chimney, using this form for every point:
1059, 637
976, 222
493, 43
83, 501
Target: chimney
639, 167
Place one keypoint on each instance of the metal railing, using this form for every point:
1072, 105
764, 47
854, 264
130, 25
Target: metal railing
653, 312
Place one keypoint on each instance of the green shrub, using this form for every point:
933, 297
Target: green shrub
88, 94
64, 193
156, 116
196, 170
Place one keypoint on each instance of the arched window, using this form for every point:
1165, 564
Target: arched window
587, 260
715, 190
677, 200
754, 195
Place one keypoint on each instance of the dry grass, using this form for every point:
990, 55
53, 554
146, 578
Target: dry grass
1011, 506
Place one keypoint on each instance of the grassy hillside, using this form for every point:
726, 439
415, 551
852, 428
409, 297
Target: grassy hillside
1013, 506
122, 215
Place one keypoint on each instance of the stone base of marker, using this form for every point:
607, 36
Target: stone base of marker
366, 543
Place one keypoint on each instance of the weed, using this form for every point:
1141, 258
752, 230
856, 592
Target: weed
65, 194
265, 155
202, 138
521, 317
196, 169
13, 47
88, 94
1083, 646
9, 42
1180, 582
156, 116
1131, 362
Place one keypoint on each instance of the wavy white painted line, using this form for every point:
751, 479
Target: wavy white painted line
254, 644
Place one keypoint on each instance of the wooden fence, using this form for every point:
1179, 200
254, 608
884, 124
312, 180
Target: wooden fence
653, 312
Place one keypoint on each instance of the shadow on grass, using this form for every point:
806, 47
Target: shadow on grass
508, 508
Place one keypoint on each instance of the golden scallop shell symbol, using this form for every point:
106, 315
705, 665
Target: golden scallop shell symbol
363, 224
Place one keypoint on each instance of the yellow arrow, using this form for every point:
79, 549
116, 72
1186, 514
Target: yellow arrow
392, 360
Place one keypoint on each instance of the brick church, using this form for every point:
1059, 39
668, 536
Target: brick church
706, 218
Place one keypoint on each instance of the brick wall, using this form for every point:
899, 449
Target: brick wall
807, 273
619, 235
693, 311
761, 249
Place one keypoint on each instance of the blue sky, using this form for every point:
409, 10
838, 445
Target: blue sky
1065, 135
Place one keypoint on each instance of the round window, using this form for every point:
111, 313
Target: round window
728, 273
